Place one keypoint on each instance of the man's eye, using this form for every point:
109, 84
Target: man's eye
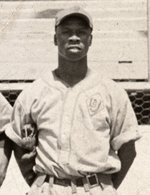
82, 32
65, 32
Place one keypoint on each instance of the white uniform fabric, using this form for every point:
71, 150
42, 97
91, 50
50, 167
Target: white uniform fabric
80, 128
5, 112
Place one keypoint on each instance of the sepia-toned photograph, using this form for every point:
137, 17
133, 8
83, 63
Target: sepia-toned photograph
74, 97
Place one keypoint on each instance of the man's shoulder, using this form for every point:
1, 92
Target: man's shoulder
32, 91
33, 87
43, 81
106, 82
108, 87
111, 84
114, 88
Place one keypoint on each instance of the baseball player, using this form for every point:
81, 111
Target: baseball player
85, 125
5, 143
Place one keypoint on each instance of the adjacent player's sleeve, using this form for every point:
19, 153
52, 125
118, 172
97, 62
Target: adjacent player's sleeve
124, 127
5, 113
5, 143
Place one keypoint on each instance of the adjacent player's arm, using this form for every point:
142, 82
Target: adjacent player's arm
26, 161
126, 154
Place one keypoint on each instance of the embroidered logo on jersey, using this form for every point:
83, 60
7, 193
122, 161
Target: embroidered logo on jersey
94, 104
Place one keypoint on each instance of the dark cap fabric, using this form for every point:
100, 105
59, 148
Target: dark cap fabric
73, 11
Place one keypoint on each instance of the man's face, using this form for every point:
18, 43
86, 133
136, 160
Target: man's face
73, 38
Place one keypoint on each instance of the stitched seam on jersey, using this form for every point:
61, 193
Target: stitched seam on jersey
72, 119
60, 126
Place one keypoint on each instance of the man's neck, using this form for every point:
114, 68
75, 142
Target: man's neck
71, 72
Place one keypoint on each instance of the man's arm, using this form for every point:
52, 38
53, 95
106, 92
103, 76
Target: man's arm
5, 153
126, 154
26, 161
25, 155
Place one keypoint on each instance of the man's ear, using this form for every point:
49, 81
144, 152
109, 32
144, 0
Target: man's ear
90, 39
55, 39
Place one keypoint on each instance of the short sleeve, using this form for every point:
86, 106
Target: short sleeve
18, 119
124, 127
5, 113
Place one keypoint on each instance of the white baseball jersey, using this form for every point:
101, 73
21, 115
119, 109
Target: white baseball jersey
5, 112
80, 128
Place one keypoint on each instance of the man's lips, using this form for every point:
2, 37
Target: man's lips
74, 47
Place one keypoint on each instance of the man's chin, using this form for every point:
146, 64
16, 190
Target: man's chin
74, 56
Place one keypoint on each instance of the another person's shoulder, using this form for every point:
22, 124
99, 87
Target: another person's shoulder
3, 101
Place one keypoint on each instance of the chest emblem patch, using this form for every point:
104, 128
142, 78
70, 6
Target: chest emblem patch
94, 103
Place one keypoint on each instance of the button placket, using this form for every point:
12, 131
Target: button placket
66, 125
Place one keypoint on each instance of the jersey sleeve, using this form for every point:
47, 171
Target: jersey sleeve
19, 118
5, 113
124, 126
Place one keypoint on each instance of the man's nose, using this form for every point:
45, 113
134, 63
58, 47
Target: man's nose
74, 39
